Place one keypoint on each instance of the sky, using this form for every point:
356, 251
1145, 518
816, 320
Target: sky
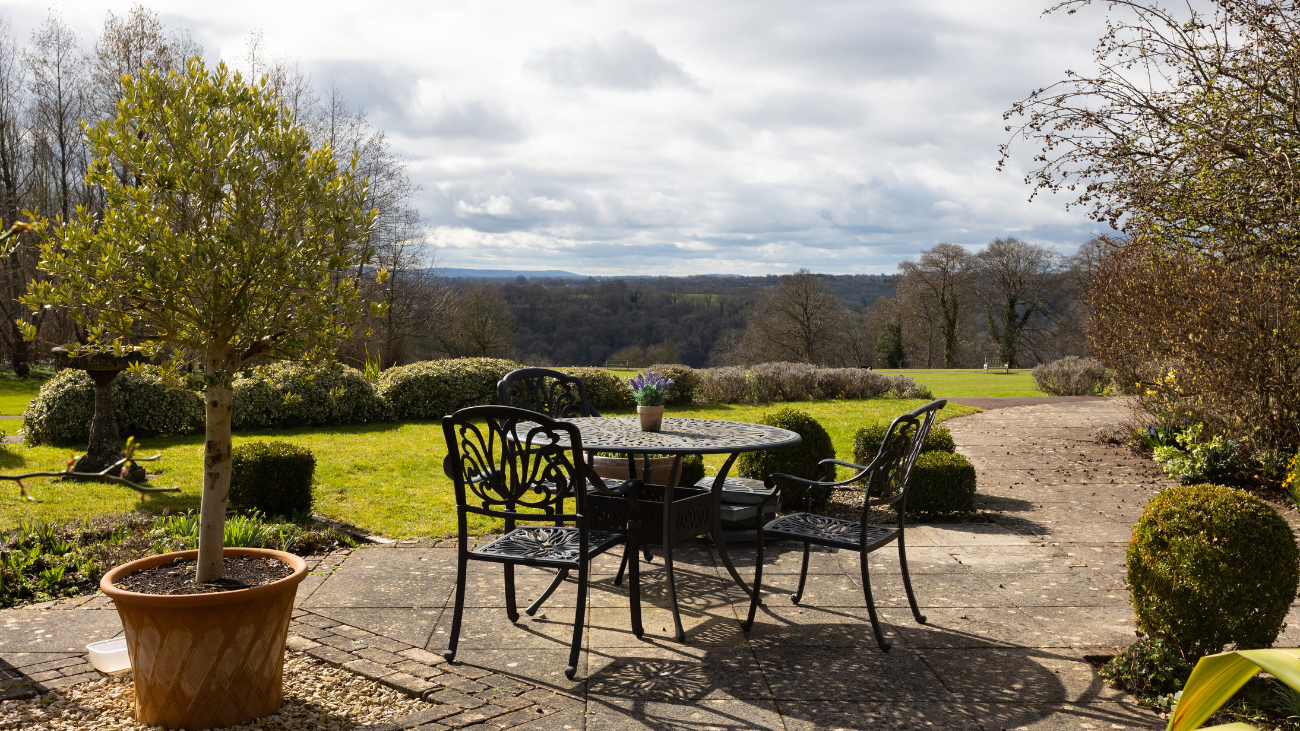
674, 138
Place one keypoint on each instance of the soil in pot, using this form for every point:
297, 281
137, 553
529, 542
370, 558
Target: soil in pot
242, 572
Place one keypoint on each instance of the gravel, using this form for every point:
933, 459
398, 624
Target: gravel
316, 696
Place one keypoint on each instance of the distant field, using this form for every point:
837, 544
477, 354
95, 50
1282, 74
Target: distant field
954, 382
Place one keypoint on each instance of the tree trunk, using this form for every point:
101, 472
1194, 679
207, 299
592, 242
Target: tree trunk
217, 401
18, 355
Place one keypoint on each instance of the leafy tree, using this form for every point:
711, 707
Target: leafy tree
228, 238
889, 346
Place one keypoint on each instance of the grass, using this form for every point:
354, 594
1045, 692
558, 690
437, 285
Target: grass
385, 478
959, 382
15, 393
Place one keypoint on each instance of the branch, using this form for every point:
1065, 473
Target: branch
101, 475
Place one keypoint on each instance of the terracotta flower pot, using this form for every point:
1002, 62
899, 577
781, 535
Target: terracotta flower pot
615, 468
652, 417
204, 661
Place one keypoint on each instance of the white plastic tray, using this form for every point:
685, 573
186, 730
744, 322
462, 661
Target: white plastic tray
109, 656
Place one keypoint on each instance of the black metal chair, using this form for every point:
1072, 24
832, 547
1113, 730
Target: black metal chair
545, 391
886, 478
507, 459
559, 396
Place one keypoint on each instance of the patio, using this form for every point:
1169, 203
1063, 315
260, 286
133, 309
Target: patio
1018, 607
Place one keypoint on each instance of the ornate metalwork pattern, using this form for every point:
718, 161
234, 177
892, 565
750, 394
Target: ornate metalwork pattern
532, 470
548, 543
555, 394
679, 436
820, 527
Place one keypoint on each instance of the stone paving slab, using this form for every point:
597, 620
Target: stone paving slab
1015, 606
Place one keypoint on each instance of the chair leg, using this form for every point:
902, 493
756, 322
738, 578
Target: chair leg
537, 603
907, 581
803, 574
757, 588
618, 578
511, 611
871, 606
634, 587
579, 625
454, 640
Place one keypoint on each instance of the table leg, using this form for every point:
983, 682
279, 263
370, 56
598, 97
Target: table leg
669, 539
717, 523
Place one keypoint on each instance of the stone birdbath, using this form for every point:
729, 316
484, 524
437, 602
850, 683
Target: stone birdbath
105, 446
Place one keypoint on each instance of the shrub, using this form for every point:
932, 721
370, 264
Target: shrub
142, 406
685, 382
904, 387
866, 442
727, 385
1072, 376
1221, 459
285, 394
433, 388
1292, 481
1209, 565
273, 478
851, 383
1148, 668
799, 460
692, 470
774, 382
942, 484
605, 390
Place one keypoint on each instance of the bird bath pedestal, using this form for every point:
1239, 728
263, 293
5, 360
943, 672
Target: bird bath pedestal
105, 446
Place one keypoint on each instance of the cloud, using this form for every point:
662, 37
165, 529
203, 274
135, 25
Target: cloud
497, 205
547, 204
479, 119
626, 61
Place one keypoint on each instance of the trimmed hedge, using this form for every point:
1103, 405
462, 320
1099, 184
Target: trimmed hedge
685, 382
143, 407
866, 442
799, 460
605, 390
289, 394
1072, 376
942, 484
1208, 566
776, 382
432, 389
271, 477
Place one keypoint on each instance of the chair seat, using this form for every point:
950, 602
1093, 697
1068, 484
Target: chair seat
739, 490
549, 543
827, 531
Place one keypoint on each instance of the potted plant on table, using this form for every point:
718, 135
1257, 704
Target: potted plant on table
650, 390
225, 238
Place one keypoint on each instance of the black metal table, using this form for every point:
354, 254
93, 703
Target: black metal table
698, 513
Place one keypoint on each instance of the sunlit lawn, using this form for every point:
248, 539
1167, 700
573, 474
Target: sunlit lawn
14, 395
385, 478
958, 382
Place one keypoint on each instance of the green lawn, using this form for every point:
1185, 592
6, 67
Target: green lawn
386, 478
14, 394
957, 382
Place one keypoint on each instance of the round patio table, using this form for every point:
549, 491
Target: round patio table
698, 514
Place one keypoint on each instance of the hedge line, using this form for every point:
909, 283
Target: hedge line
288, 394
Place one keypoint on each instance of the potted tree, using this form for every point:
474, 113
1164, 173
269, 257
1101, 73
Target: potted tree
225, 237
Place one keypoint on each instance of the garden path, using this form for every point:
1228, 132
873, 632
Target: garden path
1021, 607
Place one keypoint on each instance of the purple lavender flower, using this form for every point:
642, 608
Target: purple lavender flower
650, 388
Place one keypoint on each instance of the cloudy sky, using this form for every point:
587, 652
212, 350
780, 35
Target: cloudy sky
673, 137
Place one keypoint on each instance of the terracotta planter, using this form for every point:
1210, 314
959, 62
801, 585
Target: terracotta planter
652, 417
204, 661
615, 468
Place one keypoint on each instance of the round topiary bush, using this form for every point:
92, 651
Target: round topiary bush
799, 460
273, 478
942, 485
1208, 566
142, 406
431, 389
685, 382
605, 390
692, 470
866, 442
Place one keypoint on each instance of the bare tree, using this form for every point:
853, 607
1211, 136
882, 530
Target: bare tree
940, 286
1015, 276
799, 320
128, 45
61, 100
480, 326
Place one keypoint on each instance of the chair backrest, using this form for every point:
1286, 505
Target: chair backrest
545, 391
903, 443
501, 459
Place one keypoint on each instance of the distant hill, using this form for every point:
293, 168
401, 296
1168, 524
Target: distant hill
507, 274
